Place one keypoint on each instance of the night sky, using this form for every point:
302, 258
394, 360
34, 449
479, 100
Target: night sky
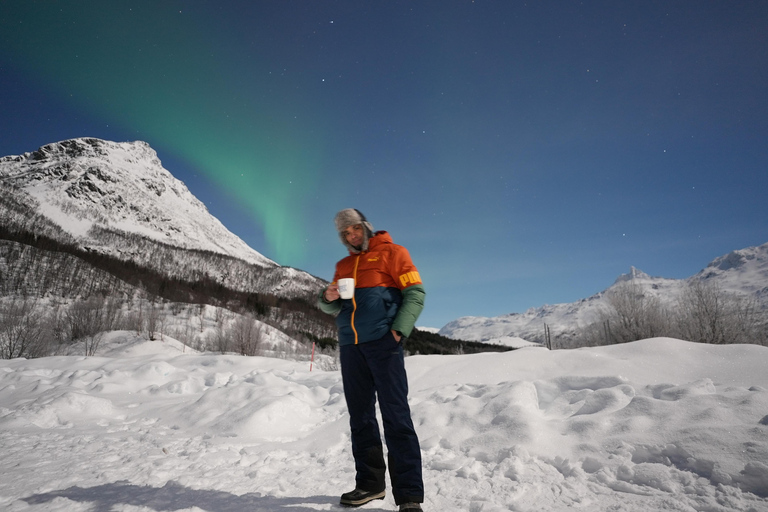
526, 153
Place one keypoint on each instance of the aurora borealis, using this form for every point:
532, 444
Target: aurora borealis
145, 66
524, 152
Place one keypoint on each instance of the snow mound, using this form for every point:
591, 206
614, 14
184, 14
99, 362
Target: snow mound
658, 424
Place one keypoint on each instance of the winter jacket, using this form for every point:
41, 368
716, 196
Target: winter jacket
389, 294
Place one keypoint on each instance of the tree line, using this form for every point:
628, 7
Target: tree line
703, 313
53, 294
36, 265
44, 282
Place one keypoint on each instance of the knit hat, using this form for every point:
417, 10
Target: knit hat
352, 217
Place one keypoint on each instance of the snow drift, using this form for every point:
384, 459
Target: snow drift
658, 424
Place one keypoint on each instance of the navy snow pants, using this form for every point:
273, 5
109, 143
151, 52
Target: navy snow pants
377, 368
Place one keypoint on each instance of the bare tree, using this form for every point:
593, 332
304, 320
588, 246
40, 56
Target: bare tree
704, 313
633, 315
57, 327
221, 337
22, 331
89, 319
138, 317
154, 314
707, 314
134, 319
201, 315
247, 335
750, 320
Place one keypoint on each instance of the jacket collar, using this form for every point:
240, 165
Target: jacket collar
378, 239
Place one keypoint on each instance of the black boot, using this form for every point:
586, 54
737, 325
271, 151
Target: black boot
360, 497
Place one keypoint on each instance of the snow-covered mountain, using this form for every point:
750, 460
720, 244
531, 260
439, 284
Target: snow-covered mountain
115, 198
89, 184
743, 271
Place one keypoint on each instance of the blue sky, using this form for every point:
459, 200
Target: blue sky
524, 152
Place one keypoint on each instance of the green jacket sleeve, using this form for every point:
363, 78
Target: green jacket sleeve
330, 308
410, 309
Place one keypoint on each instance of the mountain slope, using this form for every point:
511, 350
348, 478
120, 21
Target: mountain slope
116, 199
86, 184
744, 271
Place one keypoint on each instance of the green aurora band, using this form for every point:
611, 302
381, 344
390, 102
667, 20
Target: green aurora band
160, 71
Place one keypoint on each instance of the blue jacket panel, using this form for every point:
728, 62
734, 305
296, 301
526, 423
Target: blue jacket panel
376, 309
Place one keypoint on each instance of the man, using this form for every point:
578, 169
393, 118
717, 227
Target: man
388, 298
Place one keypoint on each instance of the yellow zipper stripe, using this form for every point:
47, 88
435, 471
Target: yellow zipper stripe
354, 303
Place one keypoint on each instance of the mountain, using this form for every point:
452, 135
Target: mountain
743, 271
116, 199
87, 185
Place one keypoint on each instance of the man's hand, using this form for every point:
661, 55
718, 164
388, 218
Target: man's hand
331, 293
396, 336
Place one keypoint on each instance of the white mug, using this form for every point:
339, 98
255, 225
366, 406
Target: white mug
346, 287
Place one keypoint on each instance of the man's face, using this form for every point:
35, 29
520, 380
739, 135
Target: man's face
354, 235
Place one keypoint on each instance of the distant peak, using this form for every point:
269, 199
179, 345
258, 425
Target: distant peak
732, 260
634, 273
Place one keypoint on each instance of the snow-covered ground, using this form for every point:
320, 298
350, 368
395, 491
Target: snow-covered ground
658, 424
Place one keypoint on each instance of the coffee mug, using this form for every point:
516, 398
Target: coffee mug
346, 287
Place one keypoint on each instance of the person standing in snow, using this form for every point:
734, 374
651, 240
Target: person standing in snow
388, 298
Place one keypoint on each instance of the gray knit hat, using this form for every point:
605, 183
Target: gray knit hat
352, 217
